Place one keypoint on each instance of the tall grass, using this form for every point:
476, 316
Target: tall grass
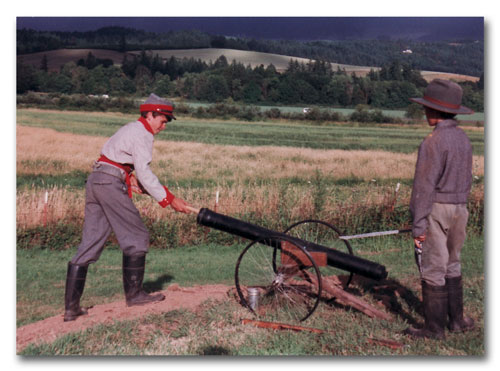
57, 225
45, 151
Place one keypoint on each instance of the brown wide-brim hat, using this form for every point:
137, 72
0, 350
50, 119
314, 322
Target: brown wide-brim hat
444, 96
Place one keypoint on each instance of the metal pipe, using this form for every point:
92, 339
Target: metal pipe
375, 234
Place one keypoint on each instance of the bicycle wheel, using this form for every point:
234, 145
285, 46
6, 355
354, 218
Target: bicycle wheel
325, 234
284, 276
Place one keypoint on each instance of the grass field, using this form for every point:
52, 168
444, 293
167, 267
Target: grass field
216, 327
271, 174
391, 138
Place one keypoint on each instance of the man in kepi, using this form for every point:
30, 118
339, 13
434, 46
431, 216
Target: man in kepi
441, 186
109, 206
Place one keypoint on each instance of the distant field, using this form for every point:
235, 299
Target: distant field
254, 59
57, 58
403, 139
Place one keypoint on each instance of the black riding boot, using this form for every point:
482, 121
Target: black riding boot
457, 321
133, 274
435, 302
75, 282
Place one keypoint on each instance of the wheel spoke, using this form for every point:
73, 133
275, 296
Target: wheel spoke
286, 291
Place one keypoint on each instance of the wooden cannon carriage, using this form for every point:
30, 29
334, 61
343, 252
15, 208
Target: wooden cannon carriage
291, 271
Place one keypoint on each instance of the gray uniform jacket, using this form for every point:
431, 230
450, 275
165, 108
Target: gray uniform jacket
133, 144
443, 172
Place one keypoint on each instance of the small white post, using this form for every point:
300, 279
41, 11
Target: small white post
45, 208
216, 200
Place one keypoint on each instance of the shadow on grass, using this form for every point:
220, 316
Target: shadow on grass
157, 284
389, 292
214, 350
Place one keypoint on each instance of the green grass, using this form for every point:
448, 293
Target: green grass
41, 275
404, 139
216, 329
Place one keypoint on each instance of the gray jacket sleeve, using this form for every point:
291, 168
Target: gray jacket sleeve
142, 156
427, 173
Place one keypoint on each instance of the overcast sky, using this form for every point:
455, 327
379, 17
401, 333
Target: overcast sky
300, 28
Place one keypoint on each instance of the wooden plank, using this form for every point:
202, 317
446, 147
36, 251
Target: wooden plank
386, 343
280, 326
353, 301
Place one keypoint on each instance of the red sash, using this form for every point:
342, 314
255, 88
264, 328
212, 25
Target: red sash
126, 168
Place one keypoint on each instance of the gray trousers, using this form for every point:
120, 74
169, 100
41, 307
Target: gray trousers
109, 208
444, 241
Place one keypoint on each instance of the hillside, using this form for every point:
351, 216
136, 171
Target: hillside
57, 58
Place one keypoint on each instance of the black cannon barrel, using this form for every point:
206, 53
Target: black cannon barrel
335, 258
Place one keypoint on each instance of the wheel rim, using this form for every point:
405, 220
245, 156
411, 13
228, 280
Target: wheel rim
284, 274
325, 234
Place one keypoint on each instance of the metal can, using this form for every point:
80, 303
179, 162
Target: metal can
253, 297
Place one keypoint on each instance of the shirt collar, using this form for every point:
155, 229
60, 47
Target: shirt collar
446, 124
144, 122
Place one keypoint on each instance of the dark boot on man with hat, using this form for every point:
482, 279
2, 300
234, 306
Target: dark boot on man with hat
133, 275
435, 303
457, 321
75, 283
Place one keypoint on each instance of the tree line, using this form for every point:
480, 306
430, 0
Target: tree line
459, 56
314, 83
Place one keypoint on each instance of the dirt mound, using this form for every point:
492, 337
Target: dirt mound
176, 297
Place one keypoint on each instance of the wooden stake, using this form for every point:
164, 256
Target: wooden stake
216, 200
45, 208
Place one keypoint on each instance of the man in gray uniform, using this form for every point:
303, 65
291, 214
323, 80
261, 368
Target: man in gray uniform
441, 186
109, 206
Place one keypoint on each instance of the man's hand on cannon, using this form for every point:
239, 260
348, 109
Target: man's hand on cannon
182, 206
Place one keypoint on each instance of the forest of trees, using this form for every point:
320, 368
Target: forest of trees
314, 83
455, 56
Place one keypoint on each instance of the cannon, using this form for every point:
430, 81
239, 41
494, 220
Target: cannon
281, 274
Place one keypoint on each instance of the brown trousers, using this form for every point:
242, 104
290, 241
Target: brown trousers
444, 241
